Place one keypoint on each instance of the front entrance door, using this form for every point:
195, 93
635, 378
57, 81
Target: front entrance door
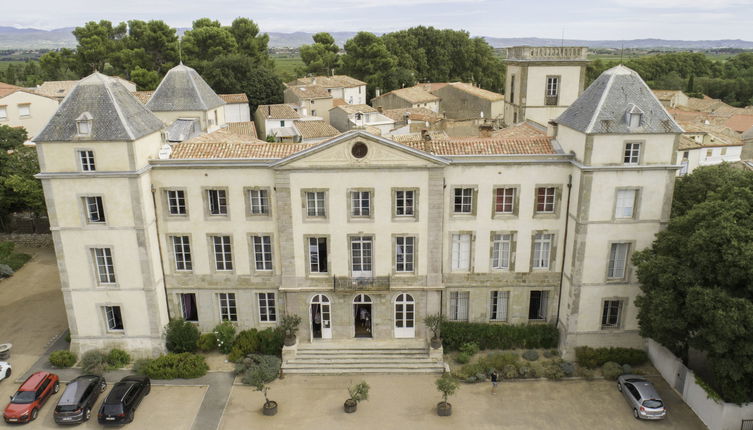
405, 316
362, 315
321, 325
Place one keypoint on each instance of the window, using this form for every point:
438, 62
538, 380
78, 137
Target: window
315, 204
228, 311
263, 252
404, 249
282, 123
223, 254
318, 254
512, 89
24, 110
538, 305
360, 203
259, 202
498, 303
632, 153
504, 200
634, 119
3, 113
404, 203
463, 200
360, 251
501, 245
459, 305
84, 124
542, 247
114, 318
104, 265
217, 202
610, 316
176, 202
87, 160
182, 253
188, 307
267, 311
552, 90
709, 153
625, 203
95, 210
461, 252
618, 256
546, 198
313, 111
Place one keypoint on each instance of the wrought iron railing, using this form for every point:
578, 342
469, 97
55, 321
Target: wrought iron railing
551, 100
346, 283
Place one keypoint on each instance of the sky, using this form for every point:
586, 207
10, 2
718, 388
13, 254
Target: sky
577, 19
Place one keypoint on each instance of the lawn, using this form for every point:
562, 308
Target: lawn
285, 66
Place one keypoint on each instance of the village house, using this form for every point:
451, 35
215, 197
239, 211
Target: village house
236, 107
459, 100
309, 100
276, 121
348, 117
410, 97
20, 107
351, 90
314, 131
705, 144
672, 98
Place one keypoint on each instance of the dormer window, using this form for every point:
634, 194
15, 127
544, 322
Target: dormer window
84, 124
634, 116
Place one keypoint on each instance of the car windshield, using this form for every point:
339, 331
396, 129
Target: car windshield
66, 408
23, 397
653, 403
112, 409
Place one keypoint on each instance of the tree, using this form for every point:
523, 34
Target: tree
367, 58
250, 42
320, 58
19, 190
207, 41
237, 73
146, 80
96, 42
697, 280
60, 65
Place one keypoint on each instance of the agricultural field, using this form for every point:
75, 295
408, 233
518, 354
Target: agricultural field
286, 66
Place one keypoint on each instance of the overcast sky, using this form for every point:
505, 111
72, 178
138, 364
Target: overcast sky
579, 19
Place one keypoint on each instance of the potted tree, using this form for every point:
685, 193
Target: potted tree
357, 393
289, 325
434, 322
447, 386
257, 381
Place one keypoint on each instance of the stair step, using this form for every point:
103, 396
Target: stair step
326, 362
337, 371
292, 364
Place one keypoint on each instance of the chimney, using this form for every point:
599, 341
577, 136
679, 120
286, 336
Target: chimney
485, 130
425, 134
378, 92
313, 80
551, 129
426, 137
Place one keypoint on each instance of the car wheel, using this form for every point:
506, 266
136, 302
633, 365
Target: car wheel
87, 414
7, 373
130, 416
103, 387
635, 414
56, 387
619, 387
148, 389
34, 413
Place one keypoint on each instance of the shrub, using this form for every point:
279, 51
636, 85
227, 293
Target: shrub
585, 373
553, 372
140, 365
68, 336
611, 370
594, 357
14, 260
181, 336
469, 370
94, 362
289, 324
117, 358
470, 348
434, 323
567, 368
185, 365
492, 336
62, 359
257, 369
626, 368
359, 392
481, 377
527, 372
245, 342
499, 360
225, 334
463, 358
531, 355
510, 371
271, 341
207, 342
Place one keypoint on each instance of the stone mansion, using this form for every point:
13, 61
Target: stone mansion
360, 235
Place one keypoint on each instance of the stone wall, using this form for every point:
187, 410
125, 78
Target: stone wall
28, 240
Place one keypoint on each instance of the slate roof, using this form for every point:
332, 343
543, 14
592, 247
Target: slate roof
278, 111
183, 89
183, 129
315, 129
60, 89
234, 98
309, 91
117, 114
603, 106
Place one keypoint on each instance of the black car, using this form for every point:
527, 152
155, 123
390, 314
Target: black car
76, 403
125, 396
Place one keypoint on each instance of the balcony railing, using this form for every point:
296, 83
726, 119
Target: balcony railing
345, 283
551, 100
547, 53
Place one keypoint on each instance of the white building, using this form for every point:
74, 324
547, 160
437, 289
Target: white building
706, 145
236, 107
348, 117
23, 108
342, 87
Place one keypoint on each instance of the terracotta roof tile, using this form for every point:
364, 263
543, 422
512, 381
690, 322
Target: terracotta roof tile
665, 95
485, 146
6, 89
336, 81
234, 98
522, 130
477, 92
740, 123
315, 129
338, 102
309, 91
412, 95
143, 96
355, 108
279, 111
225, 150
415, 114
224, 135
246, 128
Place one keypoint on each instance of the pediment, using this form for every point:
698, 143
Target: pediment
358, 149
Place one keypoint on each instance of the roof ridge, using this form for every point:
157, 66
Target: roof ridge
118, 110
599, 105
196, 89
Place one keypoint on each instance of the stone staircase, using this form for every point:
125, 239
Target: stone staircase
362, 356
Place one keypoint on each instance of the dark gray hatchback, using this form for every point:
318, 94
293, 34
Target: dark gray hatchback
76, 403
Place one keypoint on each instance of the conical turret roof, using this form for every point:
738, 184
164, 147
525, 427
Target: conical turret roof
183, 89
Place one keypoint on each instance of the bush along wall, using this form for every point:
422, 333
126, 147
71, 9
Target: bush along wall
492, 336
592, 358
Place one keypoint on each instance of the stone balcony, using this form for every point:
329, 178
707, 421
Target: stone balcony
345, 283
547, 53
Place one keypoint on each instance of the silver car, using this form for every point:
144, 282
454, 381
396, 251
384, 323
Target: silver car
642, 397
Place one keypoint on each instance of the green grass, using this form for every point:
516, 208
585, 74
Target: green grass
4, 64
285, 67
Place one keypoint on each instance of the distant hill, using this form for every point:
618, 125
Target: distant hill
31, 38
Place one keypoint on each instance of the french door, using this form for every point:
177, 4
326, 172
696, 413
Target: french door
361, 252
320, 316
405, 316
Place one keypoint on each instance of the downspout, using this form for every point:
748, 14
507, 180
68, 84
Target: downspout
159, 247
564, 247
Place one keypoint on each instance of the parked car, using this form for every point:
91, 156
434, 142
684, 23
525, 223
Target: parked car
76, 403
31, 396
120, 405
4, 370
642, 397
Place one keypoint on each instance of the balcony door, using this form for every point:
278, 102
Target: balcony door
361, 248
405, 316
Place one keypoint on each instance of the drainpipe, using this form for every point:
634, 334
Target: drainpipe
159, 247
564, 247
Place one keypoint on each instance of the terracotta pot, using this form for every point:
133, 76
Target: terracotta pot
444, 409
350, 406
270, 408
289, 341
436, 342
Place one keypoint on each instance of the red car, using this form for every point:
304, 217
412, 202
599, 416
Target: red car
33, 393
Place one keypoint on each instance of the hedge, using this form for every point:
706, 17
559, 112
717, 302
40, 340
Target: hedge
265, 342
62, 359
592, 358
493, 336
172, 366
